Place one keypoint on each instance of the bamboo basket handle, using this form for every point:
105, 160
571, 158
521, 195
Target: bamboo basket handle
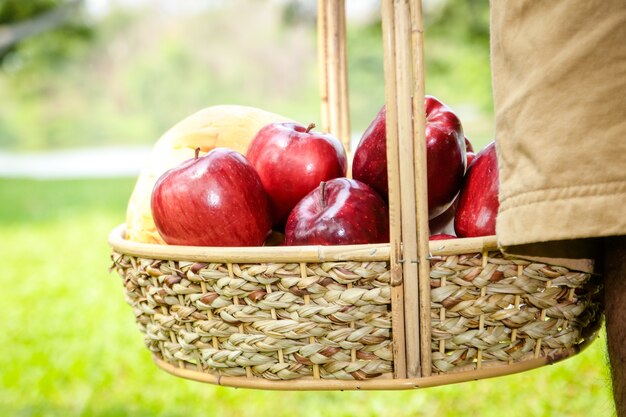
421, 182
395, 226
406, 162
406, 159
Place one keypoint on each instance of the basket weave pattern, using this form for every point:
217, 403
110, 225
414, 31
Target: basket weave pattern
490, 311
275, 321
332, 320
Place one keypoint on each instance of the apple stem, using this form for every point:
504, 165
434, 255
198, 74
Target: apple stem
323, 185
197, 153
310, 127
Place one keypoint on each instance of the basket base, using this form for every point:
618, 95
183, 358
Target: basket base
384, 382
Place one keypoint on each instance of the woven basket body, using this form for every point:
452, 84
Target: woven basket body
328, 324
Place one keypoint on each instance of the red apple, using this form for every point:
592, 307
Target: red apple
215, 200
470, 158
292, 160
442, 236
369, 164
444, 223
339, 212
445, 153
469, 152
478, 201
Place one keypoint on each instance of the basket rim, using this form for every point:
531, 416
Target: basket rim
361, 253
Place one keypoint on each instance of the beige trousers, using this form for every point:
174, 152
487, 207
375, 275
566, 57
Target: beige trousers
559, 82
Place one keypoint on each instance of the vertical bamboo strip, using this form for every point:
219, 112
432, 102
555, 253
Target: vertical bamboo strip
442, 318
164, 311
307, 301
343, 80
570, 298
334, 69
481, 328
516, 305
231, 274
542, 318
349, 286
393, 170
214, 341
189, 329
421, 183
173, 338
322, 55
281, 354
407, 183
209, 316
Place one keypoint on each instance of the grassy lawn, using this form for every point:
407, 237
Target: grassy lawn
70, 346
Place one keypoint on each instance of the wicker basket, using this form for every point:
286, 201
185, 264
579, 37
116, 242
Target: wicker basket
407, 314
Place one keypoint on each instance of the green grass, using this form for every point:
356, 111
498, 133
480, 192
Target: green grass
69, 345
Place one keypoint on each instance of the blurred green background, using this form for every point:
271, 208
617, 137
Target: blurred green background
123, 72
103, 74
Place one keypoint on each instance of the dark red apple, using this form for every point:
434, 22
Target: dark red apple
445, 153
469, 152
292, 160
215, 200
478, 202
442, 236
369, 164
444, 223
339, 212
470, 158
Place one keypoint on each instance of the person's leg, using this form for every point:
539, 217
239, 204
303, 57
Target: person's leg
615, 306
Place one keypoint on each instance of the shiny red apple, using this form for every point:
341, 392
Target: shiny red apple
369, 164
214, 200
339, 212
470, 158
292, 160
445, 154
478, 202
444, 223
469, 152
442, 236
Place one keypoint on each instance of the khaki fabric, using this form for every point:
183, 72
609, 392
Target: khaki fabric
559, 82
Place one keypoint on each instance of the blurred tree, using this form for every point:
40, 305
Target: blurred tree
23, 23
